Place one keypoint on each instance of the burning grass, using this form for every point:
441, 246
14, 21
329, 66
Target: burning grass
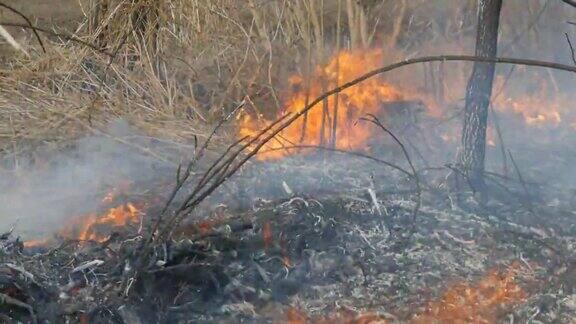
328, 257
484, 301
94, 227
333, 123
172, 68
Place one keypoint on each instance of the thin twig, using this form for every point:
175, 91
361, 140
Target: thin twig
571, 48
374, 120
521, 179
64, 36
570, 2
357, 154
29, 24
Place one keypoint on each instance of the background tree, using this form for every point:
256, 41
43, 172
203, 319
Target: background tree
478, 93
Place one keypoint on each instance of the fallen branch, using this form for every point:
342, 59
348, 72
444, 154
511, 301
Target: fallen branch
230, 162
88, 265
352, 153
5, 299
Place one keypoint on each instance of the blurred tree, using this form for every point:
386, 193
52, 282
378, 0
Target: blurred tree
478, 93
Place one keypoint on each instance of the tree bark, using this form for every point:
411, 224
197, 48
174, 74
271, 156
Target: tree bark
478, 93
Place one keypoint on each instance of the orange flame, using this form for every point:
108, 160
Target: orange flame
116, 217
480, 303
530, 97
35, 243
89, 228
463, 303
537, 107
342, 111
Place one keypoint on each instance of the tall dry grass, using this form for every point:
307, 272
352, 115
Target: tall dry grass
174, 67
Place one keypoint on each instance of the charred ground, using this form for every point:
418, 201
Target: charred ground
139, 183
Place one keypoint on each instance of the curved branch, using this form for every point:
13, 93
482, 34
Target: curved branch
228, 167
337, 150
29, 24
283, 122
388, 68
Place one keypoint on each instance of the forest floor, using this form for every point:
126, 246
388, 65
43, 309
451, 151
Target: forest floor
356, 254
307, 239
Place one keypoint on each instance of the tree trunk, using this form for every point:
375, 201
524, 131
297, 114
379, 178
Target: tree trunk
478, 94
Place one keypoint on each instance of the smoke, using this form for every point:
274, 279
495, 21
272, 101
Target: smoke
43, 194
71, 183
533, 106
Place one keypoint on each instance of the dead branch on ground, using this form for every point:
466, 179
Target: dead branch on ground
238, 153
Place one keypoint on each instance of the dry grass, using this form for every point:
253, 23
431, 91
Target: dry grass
179, 65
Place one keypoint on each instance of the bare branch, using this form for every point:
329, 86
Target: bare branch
374, 120
64, 36
228, 164
29, 24
570, 2
571, 48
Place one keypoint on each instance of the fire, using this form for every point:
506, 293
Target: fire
479, 303
538, 108
35, 243
95, 227
116, 217
338, 114
483, 302
531, 96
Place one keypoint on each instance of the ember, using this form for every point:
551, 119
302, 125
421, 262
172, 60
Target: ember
482, 302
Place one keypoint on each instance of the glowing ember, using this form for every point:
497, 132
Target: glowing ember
479, 303
267, 235
482, 302
351, 104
